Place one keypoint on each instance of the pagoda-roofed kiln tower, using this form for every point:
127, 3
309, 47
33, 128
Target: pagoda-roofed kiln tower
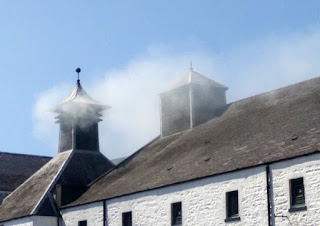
79, 115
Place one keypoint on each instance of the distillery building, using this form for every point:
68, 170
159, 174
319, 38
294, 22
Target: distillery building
255, 161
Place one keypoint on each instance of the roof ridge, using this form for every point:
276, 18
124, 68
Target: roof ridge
31, 155
56, 166
273, 90
58, 174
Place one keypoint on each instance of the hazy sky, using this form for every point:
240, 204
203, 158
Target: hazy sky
129, 50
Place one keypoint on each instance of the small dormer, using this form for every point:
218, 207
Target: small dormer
191, 100
79, 115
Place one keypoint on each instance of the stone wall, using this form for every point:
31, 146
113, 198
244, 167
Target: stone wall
33, 221
203, 201
307, 167
92, 213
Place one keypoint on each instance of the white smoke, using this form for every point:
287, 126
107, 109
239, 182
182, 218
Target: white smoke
132, 91
44, 127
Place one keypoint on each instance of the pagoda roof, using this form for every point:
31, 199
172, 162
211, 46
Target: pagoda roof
80, 97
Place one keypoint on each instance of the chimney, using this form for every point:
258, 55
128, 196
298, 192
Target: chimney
79, 115
190, 101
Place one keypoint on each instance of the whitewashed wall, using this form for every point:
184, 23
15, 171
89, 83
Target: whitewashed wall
203, 201
93, 213
309, 168
44, 221
26, 221
33, 221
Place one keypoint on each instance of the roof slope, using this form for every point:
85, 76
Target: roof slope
16, 168
84, 167
193, 77
69, 168
26, 199
268, 127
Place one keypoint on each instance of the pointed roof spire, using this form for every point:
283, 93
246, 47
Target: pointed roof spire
78, 70
191, 68
80, 97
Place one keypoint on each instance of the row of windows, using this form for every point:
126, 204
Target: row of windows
297, 202
176, 211
176, 215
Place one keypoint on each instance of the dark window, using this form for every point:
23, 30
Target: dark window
232, 206
176, 213
127, 219
82, 223
297, 197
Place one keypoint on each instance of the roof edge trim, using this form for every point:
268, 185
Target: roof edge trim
36, 208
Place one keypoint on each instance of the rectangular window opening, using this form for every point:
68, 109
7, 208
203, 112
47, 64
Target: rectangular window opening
82, 223
176, 213
232, 206
297, 195
127, 219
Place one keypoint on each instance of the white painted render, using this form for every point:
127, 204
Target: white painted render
44, 221
93, 213
33, 221
26, 221
307, 167
203, 201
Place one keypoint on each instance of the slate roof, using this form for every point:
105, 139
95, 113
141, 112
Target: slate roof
34, 197
84, 167
16, 168
28, 197
269, 127
193, 77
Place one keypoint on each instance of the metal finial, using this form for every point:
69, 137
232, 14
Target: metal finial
78, 70
191, 68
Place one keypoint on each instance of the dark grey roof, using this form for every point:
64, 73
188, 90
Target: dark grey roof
84, 167
16, 168
29, 196
269, 127
69, 168
193, 77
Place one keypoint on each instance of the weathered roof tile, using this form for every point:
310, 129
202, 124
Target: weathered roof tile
253, 131
16, 168
26, 199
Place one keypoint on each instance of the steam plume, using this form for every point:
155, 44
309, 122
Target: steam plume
132, 91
